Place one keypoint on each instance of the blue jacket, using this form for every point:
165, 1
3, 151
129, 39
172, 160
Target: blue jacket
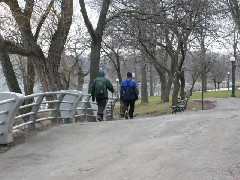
129, 90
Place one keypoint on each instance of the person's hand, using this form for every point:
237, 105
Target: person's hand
136, 98
93, 99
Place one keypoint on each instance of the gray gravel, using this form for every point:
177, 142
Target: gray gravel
193, 145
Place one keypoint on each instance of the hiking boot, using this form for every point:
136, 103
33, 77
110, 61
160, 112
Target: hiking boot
130, 115
99, 118
126, 114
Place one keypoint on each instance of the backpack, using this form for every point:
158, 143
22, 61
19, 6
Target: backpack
128, 92
100, 87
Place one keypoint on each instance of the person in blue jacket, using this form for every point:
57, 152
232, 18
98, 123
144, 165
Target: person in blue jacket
129, 94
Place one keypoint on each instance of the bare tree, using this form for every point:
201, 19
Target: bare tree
96, 36
235, 11
47, 67
219, 69
73, 67
173, 32
114, 54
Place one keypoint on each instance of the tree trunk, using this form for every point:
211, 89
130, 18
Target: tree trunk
57, 44
166, 88
29, 84
151, 81
175, 90
119, 76
218, 85
144, 88
12, 81
9, 73
94, 61
165, 84
30, 78
191, 89
80, 79
182, 87
204, 79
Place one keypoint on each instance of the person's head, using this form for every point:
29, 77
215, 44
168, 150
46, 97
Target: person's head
129, 75
101, 73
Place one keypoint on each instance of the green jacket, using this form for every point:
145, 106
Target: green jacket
109, 86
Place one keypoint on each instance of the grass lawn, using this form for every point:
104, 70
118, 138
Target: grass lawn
155, 107
215, 94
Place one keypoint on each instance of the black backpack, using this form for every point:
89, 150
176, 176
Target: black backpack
128, 92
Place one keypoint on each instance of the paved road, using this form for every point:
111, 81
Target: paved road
194, 145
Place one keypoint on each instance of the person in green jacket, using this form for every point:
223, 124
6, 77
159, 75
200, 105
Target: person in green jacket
99, 91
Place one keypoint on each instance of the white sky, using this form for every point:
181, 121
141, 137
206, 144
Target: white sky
225, 47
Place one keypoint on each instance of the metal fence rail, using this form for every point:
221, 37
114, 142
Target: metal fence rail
65, 105
9, 106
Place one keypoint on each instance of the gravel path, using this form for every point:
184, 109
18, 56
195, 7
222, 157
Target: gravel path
193, 145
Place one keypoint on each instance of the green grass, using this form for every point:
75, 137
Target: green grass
156, 107
215, 94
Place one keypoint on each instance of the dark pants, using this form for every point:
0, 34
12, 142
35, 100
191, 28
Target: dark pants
101, 103
130, 103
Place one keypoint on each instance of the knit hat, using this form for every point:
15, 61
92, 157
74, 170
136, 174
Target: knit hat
129, 74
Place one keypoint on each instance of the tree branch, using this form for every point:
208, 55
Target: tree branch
29, 8
43, 18
59, 38
102, 17
86, 20
12, 48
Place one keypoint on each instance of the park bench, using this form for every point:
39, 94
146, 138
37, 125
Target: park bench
180, 106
